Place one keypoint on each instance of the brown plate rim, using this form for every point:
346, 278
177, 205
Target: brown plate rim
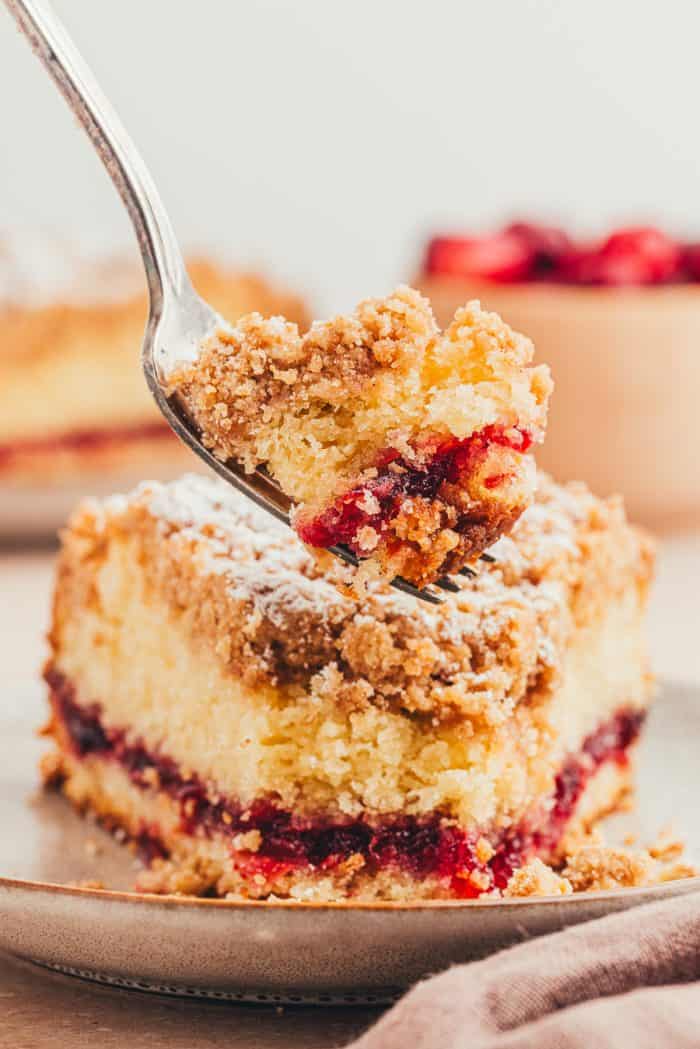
658, 891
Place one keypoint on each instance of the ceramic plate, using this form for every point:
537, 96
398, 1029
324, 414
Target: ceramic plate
280, 951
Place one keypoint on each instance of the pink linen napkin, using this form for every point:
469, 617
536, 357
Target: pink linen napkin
628, 981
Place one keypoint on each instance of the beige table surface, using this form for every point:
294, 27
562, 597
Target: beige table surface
39, 1010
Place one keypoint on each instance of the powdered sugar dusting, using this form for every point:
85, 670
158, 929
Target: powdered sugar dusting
532, 568
272, 614
259, 555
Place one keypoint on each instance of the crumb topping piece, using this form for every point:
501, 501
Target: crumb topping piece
537, 879
600, 866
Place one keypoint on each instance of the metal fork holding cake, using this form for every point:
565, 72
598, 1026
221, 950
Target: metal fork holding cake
401, 446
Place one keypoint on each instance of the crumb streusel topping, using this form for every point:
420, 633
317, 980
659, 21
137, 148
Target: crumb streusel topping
261, 602
383, 373
406, 444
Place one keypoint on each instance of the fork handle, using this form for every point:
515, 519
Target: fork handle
163, 261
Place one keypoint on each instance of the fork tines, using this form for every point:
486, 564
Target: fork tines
445, 583
431, 594
427, 593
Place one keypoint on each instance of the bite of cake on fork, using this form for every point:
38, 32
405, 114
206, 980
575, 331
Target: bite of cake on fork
406, 445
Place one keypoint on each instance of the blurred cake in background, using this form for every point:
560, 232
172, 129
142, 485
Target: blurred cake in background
618, 321
76, 415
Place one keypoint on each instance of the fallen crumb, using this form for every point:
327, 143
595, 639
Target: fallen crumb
196, 877
591, 865
51, 769
537, 879
679, 871
579, 838
603, 867
668, 846
92, 848
627, 802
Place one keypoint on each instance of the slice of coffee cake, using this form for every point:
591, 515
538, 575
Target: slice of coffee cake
404, 443
214, 695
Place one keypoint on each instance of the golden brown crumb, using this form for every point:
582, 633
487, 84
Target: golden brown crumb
51, 768
605, 867
537, 879
679, 870
196, 876
669, 845
626, 802
590, 868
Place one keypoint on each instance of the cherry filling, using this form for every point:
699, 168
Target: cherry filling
376, 502
422, 847
80, 440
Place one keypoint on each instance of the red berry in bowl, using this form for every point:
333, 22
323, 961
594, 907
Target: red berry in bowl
628, 257
580, 265
501, 257
547, 243
641, 255
690, 261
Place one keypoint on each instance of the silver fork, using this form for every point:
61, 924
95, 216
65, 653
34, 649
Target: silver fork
179, 320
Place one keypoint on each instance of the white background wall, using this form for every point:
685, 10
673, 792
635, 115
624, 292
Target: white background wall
323, 139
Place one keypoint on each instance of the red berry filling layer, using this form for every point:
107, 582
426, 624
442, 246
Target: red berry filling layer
528, 252
81, 440
419, 846
376, 502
